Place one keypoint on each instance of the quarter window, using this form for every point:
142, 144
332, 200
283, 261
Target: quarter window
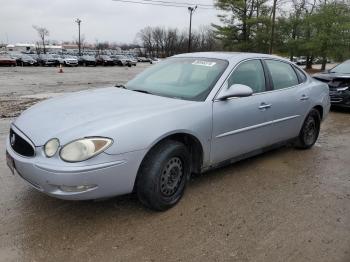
249, 73
282, 74
301, 75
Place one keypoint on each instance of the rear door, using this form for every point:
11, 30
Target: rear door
289, 99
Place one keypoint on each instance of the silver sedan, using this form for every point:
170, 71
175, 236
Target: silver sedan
188, 114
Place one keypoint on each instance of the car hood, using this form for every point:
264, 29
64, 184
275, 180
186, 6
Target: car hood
331, 76
90, 113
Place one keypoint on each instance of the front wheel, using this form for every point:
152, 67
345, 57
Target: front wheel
163, 175
310, 130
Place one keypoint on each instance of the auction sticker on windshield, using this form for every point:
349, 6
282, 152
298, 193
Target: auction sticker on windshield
203, 63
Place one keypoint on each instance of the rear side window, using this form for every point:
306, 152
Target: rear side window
282, 74
302, 77
249, 73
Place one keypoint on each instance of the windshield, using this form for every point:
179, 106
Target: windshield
343, 68
184, 78
27, 57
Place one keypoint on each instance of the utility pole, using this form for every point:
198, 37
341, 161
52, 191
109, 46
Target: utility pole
273, 25
78, 21
191, 10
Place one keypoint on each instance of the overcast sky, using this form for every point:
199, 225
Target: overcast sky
102, 20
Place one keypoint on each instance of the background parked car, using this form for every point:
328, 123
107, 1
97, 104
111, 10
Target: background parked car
131, 60
15, 56
6, 60
119, 60
58, 59
301, 61
338, 80
104, 60
69, 60
87, 60
47, 60
26, 60
155, 60
143, 59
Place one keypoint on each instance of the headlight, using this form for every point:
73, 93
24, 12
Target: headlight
84, 149
342, 88
51, 147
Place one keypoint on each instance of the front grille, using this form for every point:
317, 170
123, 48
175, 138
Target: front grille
20, 145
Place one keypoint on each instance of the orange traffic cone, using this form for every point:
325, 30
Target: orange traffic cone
61, 69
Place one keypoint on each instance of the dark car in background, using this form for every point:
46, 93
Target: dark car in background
120, 60
6, 60
87, 60
26, 60
47, 60
338, 80
104, 60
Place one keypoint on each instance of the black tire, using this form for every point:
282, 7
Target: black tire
163, 175
310, 130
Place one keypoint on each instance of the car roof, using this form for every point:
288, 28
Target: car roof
230, 56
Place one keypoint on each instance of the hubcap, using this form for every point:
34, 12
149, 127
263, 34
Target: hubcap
310, 131
171, 176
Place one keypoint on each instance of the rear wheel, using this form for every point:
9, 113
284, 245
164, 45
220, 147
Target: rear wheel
163, 175
310, 130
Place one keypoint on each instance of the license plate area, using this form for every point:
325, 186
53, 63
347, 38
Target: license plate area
10, 162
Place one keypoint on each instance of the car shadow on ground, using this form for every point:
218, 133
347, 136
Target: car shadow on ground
129, 203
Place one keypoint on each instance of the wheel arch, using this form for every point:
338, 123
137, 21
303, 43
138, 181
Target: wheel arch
192, 143
319, 108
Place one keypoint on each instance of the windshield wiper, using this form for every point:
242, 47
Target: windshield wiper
142, 91
120, 86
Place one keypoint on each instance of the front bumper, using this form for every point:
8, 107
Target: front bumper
340, 98
106, 175
71, 63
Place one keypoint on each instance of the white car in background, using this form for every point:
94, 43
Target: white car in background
69, 60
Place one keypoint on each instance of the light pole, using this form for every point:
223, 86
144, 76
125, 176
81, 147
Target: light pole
78, 21
191, 10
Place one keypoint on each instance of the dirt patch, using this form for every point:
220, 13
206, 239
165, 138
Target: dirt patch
12, 107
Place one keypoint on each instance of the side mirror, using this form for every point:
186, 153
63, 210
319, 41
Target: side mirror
236, 90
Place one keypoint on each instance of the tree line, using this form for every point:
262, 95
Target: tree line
311, 28
162, 42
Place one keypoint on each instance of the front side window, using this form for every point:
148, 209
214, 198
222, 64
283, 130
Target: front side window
183, 78
249, 73
282, 74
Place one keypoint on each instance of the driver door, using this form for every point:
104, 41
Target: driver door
242, 125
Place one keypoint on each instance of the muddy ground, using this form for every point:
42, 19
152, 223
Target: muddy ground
285, 205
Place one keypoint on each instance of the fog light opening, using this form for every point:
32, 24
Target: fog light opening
76, 189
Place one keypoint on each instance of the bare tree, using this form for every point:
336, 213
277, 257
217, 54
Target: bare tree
43, 33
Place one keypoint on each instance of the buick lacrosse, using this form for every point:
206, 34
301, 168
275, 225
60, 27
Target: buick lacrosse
187, 114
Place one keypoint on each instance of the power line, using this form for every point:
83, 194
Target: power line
158, 3
180, 3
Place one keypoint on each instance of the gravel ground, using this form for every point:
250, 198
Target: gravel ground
21, 87
285, 205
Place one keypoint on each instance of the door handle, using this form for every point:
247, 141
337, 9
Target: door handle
304, 97
264, 106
